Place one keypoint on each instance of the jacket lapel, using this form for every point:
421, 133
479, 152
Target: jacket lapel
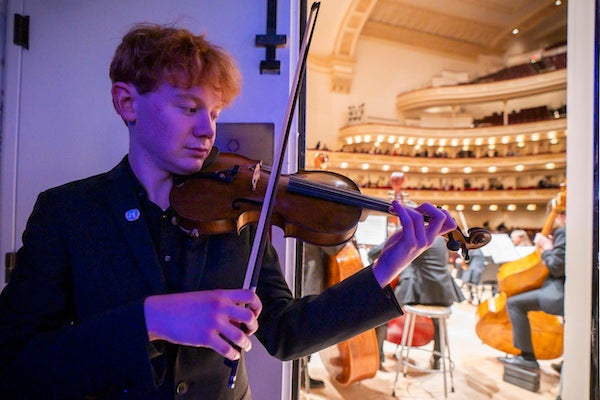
127, 212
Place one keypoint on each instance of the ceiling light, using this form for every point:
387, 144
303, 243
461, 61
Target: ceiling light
365, 166
493, 207
515, 31
511, 207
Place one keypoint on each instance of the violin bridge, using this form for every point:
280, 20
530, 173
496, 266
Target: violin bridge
256, 175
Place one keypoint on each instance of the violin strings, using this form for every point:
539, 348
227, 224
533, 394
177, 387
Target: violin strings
337, 194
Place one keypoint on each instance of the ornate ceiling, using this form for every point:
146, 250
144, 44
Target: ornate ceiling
460, 27
457, 28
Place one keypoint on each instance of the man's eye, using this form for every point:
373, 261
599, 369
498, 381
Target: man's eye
189, 110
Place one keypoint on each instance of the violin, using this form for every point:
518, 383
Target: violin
319, 207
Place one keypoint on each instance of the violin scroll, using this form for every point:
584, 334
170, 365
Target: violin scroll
476, 238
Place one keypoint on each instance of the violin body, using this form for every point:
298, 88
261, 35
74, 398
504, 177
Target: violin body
240, 184
357, 358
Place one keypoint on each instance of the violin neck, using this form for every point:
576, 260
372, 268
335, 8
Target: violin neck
339, 195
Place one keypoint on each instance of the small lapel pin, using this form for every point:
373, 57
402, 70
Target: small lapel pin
132, 215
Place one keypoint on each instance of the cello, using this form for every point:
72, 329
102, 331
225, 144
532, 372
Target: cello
493, 325
357, 358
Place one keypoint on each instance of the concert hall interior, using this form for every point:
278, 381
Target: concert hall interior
467, 103
457, 103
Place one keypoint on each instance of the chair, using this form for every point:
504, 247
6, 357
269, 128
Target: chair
440, 313
488, 281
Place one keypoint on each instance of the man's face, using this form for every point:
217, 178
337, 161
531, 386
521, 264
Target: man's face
174, 129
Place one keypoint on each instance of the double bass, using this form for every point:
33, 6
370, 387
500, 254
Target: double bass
493, 325
357, 358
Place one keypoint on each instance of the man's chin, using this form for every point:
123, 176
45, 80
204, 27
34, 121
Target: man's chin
190, 169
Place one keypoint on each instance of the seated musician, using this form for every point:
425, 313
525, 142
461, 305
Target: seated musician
472, 276
520, 238
549, 298
427, 280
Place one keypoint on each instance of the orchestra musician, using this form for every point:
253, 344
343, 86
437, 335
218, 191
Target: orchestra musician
110, 299
520, 238
428, 281
548, 298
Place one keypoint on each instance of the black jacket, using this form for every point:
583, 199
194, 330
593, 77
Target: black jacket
72, 322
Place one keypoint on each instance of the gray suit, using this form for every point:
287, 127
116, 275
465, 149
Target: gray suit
427, 279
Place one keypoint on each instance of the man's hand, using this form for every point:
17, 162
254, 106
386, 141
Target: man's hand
411, 240
217, 319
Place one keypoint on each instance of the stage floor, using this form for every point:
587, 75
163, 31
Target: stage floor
478, 374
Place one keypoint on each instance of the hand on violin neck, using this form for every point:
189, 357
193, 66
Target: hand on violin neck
414, 237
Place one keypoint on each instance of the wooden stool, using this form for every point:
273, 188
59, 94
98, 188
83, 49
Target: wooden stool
441, 313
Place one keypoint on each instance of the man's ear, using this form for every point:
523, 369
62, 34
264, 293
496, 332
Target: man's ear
122, 96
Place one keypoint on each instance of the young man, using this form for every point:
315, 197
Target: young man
110, 299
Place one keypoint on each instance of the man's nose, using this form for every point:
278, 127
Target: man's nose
205, 125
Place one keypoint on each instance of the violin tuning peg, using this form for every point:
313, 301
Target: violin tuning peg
453, 244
